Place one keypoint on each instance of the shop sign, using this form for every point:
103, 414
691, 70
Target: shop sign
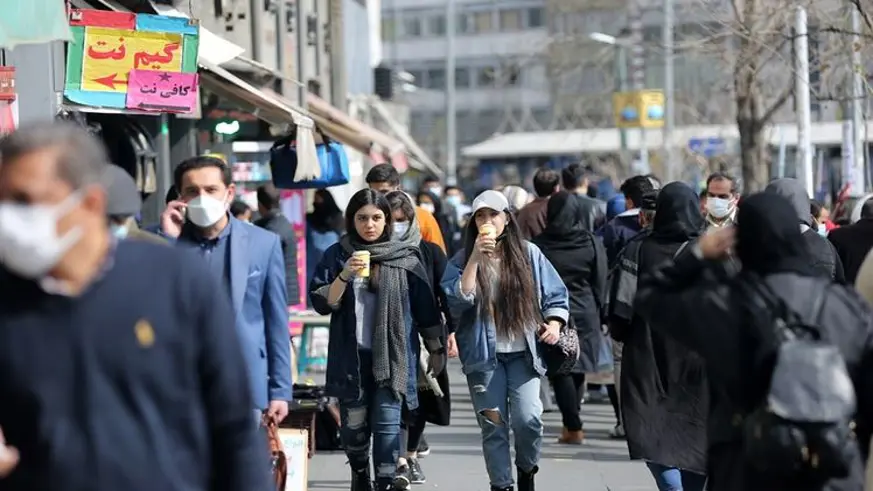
135, 61
7, 83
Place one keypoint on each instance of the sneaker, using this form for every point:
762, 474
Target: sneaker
617, 432
416, 475
423, 448
401, 479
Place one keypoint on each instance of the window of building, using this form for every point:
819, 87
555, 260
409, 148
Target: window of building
485, 77
388, 29
536, 17
510, 75
510, 20
437, 25
436, 79
464, 25
462, 78
412, 27
483, 22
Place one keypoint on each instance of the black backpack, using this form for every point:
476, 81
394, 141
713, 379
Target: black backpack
803, 428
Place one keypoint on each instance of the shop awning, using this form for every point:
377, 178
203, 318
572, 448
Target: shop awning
415, 151
320, 107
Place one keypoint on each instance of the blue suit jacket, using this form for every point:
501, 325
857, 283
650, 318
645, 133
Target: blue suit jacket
257, 288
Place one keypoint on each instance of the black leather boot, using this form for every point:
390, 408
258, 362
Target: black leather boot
495, 488
526, 479
361, 480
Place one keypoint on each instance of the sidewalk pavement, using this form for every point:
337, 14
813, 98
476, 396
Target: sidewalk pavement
456, 462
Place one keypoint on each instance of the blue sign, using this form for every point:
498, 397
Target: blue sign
708, 147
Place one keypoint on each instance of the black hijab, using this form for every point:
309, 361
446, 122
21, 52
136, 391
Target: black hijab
564, 230
326, 215
769, 238
677, 215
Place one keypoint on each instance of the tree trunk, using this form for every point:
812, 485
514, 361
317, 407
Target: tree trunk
753, 154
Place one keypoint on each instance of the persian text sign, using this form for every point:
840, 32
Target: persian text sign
108, 47
149, 90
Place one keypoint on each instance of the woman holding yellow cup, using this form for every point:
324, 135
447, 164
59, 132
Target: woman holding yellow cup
380, 301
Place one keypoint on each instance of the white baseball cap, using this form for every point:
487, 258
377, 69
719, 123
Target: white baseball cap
490, 199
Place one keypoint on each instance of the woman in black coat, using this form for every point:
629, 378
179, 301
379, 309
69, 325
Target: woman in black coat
580, 258
664, 392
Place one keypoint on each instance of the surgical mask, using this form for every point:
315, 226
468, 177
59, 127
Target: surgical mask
822, 230
718, 207
437, 190
400, 229
205, 211
428, 207
454, 200
119, 231
29, 242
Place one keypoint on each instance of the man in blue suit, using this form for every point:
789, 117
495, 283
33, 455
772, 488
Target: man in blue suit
248, 263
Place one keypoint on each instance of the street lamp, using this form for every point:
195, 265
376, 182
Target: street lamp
621, 45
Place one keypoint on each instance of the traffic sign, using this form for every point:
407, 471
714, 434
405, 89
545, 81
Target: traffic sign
708, 147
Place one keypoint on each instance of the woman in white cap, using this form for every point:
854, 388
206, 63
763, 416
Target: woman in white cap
506, 297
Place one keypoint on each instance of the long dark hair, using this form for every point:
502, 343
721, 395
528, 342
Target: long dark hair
515, 305
361, 199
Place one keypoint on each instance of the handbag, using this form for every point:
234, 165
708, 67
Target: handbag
560, 358
279, 463
332, 162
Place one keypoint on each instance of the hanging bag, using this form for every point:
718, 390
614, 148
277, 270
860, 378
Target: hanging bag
289, 172
277, 453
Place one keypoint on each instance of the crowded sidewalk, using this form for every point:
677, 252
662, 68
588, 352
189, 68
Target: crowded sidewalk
455, 461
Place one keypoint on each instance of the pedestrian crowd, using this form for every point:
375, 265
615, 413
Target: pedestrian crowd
732, 336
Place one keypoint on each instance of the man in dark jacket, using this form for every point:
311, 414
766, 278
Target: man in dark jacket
826, 261
854, 241
273, 220
532, 218
617, 232
116, 375
592, 211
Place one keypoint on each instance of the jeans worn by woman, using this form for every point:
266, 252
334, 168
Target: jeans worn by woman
673, 479
497, 379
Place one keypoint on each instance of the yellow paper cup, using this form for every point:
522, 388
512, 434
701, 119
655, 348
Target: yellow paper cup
365, 256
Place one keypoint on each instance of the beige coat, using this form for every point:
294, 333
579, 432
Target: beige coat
864, 285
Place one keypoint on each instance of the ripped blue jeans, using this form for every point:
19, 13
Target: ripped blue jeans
510, 393
374, 414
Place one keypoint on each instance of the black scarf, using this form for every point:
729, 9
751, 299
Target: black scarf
768, 237
564, 230
677, 215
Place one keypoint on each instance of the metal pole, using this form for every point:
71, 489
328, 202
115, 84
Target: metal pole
302, 70
621, 85
257, 13
451, 114
672, 173
638, 62
282, 37
858, 186
801, 90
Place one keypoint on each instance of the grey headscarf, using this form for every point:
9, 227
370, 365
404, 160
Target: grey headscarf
395, 259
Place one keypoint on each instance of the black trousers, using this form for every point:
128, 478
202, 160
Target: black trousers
568, 394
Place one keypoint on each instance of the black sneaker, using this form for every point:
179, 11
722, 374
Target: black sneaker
423, 448
402, 479
416, 475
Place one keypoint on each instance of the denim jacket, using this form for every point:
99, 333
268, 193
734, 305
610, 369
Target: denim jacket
476, 337
343, 375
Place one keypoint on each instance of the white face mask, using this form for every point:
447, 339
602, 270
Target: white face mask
428, 207
437, 190
29, 242
822, 230
205, 211
719, 207
400, 229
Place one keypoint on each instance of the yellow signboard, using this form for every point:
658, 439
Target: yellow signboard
109, 55
640, 109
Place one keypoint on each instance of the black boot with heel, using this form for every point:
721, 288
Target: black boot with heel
526, 479
361, 480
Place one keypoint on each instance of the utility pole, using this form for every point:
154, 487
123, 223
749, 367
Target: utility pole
301, 29
672, 173
638, 73
621, 85
801, 91
451, 114
281, 39
256, 8
857, 186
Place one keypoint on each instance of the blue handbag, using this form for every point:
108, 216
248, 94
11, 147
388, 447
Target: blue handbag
332, 160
